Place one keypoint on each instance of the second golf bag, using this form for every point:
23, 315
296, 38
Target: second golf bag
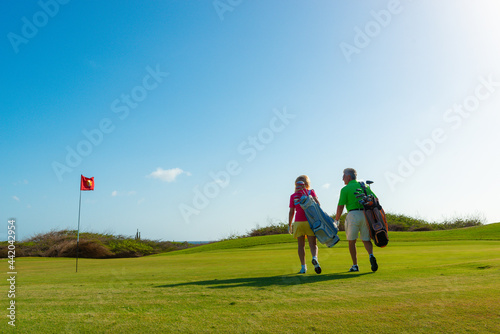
375, 218
321, 224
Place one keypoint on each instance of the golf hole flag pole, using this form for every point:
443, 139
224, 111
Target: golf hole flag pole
86, 184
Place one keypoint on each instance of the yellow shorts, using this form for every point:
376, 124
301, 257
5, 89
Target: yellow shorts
301, 228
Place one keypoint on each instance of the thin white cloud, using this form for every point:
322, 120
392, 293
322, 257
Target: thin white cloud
167, 175
123, 193
16, 198
21, 182
326, 185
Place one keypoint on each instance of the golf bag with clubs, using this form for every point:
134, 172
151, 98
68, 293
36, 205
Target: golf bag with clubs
375, 216
321, 224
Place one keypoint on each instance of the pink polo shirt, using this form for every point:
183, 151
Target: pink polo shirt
300, 215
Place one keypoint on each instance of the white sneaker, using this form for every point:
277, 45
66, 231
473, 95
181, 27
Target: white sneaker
317, 268
354, 268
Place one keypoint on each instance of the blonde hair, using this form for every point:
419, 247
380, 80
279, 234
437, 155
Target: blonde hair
305, 179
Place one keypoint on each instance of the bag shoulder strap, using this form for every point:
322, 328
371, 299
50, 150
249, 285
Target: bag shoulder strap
306, 192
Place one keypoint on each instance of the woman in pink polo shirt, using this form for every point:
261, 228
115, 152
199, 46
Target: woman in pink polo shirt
300, 228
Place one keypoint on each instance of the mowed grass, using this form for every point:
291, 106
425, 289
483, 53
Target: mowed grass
428, 282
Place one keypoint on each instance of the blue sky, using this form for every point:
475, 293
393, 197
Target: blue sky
195, 117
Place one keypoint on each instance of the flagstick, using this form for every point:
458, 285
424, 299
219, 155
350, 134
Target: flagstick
78, 237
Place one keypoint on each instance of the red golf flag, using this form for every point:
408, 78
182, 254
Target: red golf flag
87, 183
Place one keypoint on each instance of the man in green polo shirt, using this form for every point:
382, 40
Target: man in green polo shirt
355, 221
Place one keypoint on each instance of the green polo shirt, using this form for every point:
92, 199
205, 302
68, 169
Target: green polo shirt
348, 198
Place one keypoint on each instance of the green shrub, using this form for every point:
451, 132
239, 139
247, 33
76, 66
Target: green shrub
272, 228
92, 245
395, 222
93, 249
459, 222
130, 248
400, 222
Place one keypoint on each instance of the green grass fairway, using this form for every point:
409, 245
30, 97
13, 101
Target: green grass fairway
427, 282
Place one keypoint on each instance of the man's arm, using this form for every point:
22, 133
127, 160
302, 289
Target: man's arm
340, 209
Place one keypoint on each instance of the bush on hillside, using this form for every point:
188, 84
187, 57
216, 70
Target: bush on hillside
92, 245
459, 222
130, 248
272, 228
86, 249
400, 222
395, 222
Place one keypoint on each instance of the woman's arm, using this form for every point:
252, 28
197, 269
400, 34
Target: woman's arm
290, 219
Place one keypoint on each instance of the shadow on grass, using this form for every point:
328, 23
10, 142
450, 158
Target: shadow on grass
257, 282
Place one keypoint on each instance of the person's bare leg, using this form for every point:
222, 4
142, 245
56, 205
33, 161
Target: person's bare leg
313, 245
368, 246
352, 250
302, 249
